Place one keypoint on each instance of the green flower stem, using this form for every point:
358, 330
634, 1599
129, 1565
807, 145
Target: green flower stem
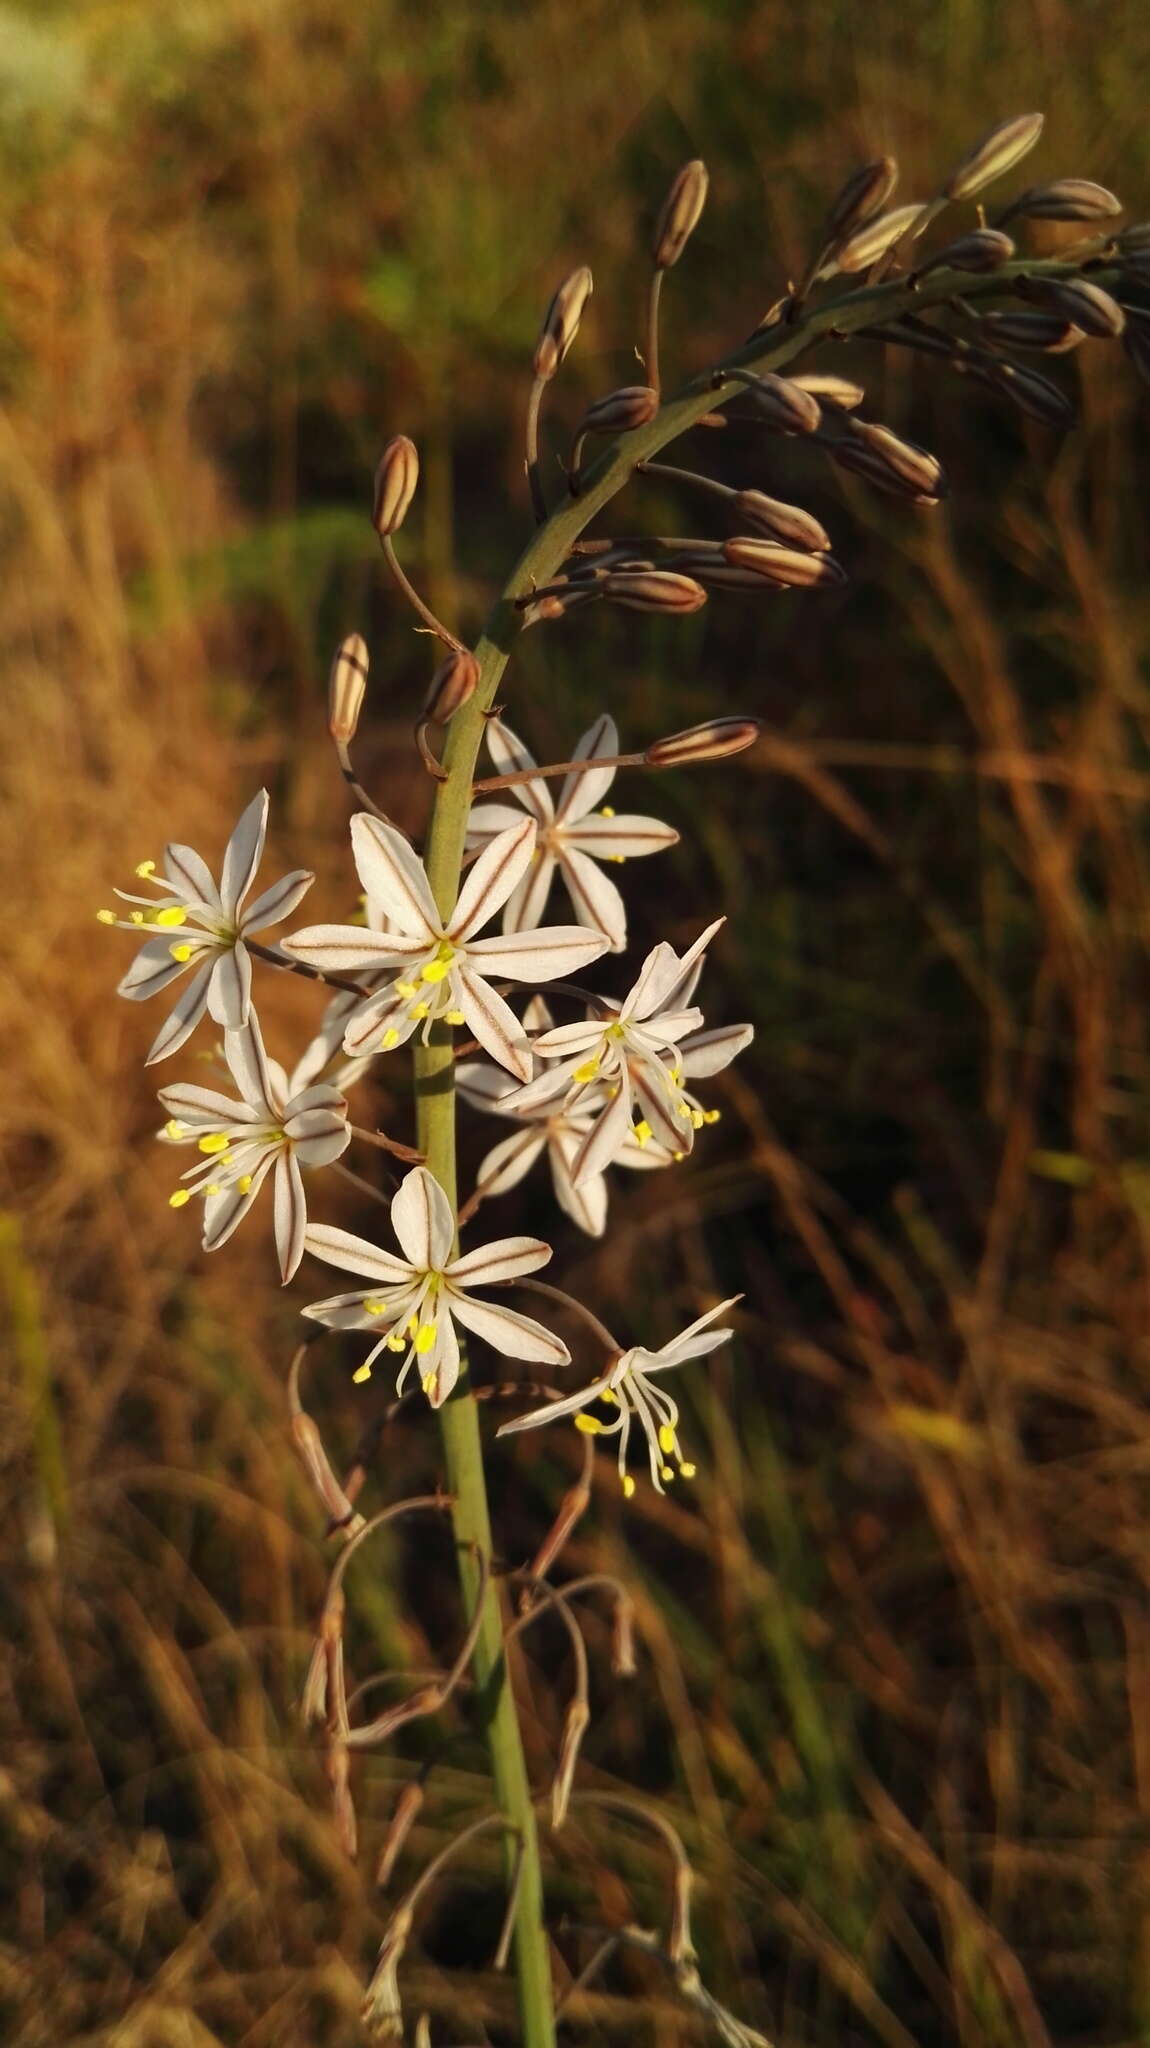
434, 1063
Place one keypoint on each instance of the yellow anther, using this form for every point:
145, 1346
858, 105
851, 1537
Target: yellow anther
181, 952
687, 1471
244, 1183
606, 811
676, 1156
616, 859
174, 914
428, 1383
424, 1339
105, 917
174, 1130
588, 1425
181, 1196
375, 1308
145, 869
711, 1116
666, 1438
676, 1074
697, 1119
361, 1373
609, 1399
405, 989
434, 970
135, 917
213, 1188
587, 1071
395, 1342
420, 1010
643, 1132
215, 1141
665, 1472
628, 1486
454, 1017
616, 1030
390, 1039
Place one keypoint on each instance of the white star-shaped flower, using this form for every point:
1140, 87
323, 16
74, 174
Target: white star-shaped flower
416, 1301
629, 1057
444, 968
204, 927
277, 1123
626, 1385
573, 835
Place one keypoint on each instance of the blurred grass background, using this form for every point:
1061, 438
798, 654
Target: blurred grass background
895, 1645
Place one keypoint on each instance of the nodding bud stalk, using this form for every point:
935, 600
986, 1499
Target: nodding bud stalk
793, 568
1063, 199
891, 464
620, 412
712, 741
680, 214
877, 238
1087, 305
396, 476
653, 590
346, 686
561, 322
982, 250
452, 684
865, 193
999, 151
788, 523
783, 404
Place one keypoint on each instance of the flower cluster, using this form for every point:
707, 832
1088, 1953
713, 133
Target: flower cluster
609, 1088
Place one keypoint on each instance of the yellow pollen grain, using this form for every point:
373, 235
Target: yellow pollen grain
676, 1074
711, 1116
214, 1142
424, 1339
105, 917
181, 952
244, 1183
434, 970
145, 869
174, 1130
390, 1039
181, 1196
687, 1471
213, 1188
174, 914
628, 1486
428, 1383
609, 1399
587, 1071
665, 1472
420, 1010
375, 1308
135, 917
697, 1119
454, 1017
643, 1131
361, 1373
616, 859
395, 1342
405, 989
589, 1425
666, 1437
607, 810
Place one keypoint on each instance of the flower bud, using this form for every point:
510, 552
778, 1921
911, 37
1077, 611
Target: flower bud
784, 404
711, 741
1063, 199
788, 523
309, 1444
561, 322
865, 193
835, 390
407, 1808
620, 412
891, 464
1045, 331
790, 567
1036, 396
396, 476
1136, 237
653, 590
452, 684
680, 214
998, 152
1087, 305
347, 683
981, 251
870, 242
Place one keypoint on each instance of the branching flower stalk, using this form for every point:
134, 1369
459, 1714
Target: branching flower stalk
605, 1087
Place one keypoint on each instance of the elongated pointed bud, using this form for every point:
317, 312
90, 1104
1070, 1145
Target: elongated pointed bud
789, 567
865, 193
788, 523
877, 238
347, 684
784, 404
1063, 199
620, 412
623, 1619
891, 464
1045, 331
981, 251
452, 684
1004, 146
1087, 305
653, 590
829, 389
574, 1728
711, 741
680, 214
396, 476
1034, 395
561, 322
308, 1442
407, 1808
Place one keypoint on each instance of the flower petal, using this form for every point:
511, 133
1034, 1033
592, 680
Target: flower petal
290, 1213
510, 757
230, 987
548, 1087
494, 1023
506, 1258
251, 1069
393, 877
422, 1219
356, 1255
489, 883
528, 900
151, 970
555, 1410
508, 1162
669, 1118
375, 1021
594, 899
708, 1052
440, 1369
224, 1212
586, 1205
690, 1343
242, 855
603, 1140
486, 820
352, 948
278, 901
506, 1331
628, 837
692, 960
481, 1084
191, 877
205, 1108
318, 1135
659, 972
581, 792
182, 1021
347, 1311
538, 955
